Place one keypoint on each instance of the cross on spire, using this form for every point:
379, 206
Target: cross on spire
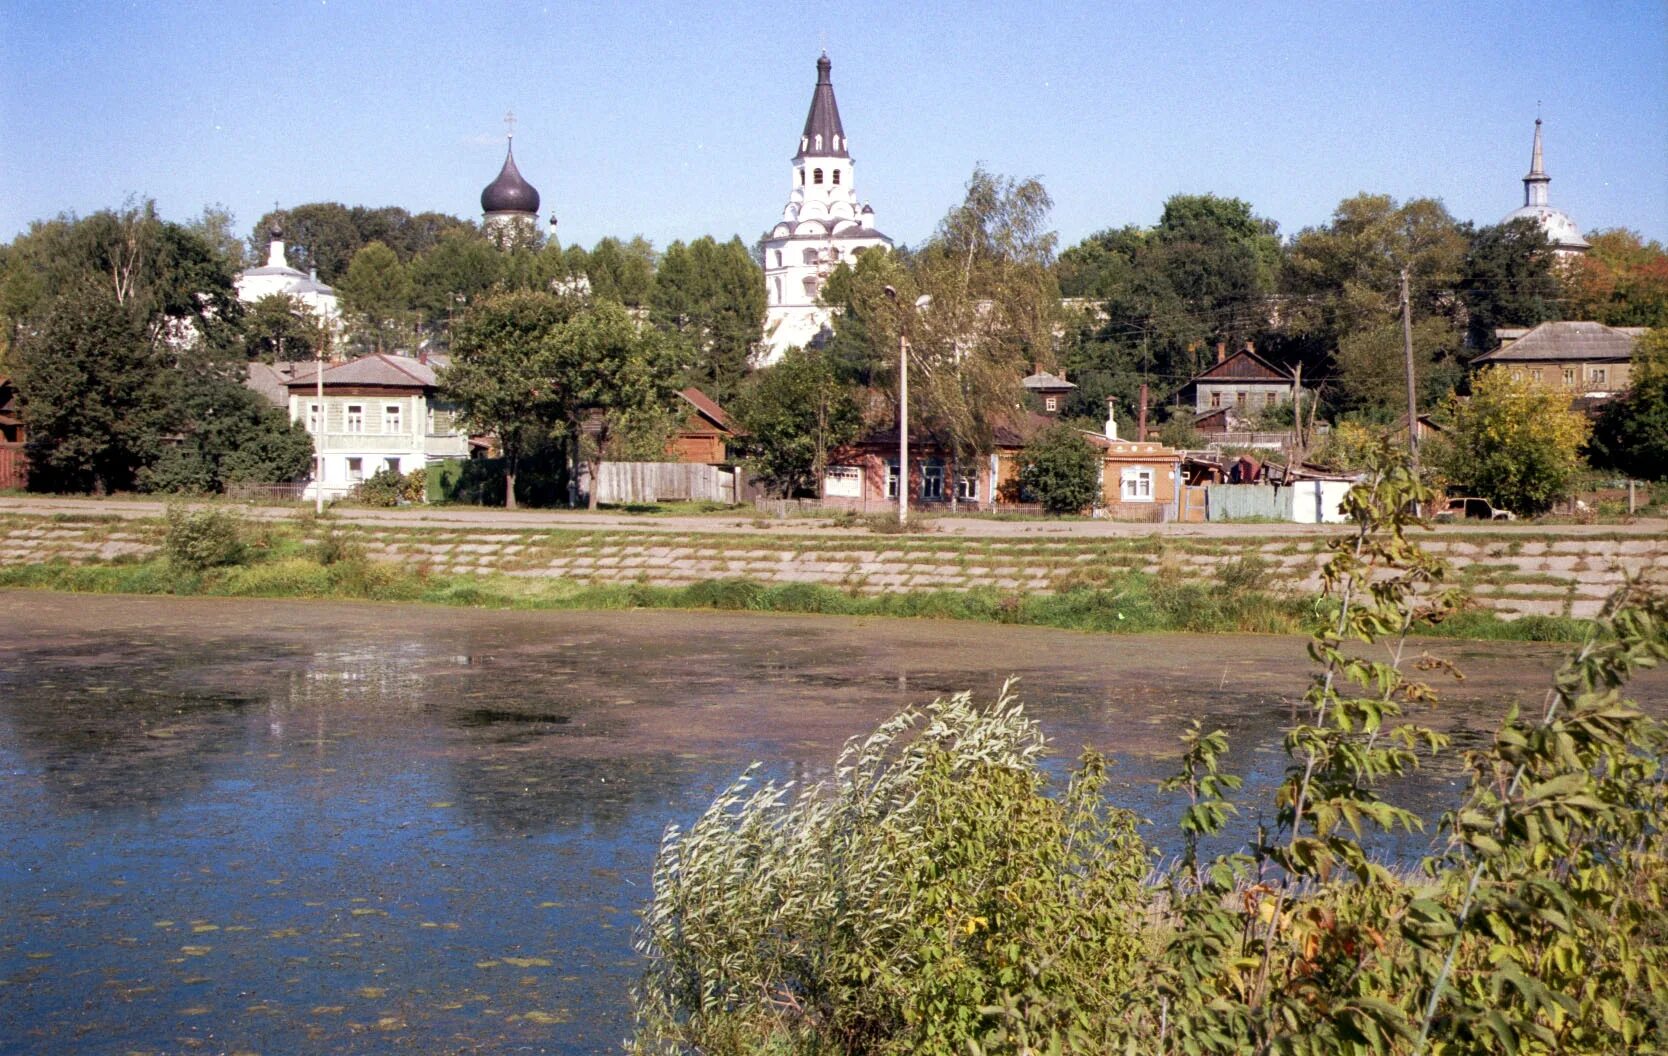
509, 124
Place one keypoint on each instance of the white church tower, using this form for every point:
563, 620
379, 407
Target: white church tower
822, 226
1559, 227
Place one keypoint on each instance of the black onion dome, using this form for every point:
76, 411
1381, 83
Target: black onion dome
509, 193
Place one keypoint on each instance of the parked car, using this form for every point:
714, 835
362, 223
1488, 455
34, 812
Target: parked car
1472, 509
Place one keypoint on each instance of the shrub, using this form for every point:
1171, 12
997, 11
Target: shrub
1061, 470
387, 487
199, 539
927, 895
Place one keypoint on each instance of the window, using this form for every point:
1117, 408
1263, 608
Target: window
1051, 403
892, 479
1268, 399
312, 418
1535, 374
778, 258
778, 290
355, 417
391, 464
391, 418
1216, 399
967, 484
1239, 400
932, 481
809, 256
816, 174
836, 177
843, 482
1596, 374
819, 146
1569, 376
1138, 484
355, 470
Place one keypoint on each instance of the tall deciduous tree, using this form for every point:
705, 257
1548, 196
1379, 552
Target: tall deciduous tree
377, 294
988, 273
503, 374
611, 372
1508, 279
1631, 436
790, 416
1343, 279
1621, 281
712, 296
1514, 442
620, 271
278, 328
452, 276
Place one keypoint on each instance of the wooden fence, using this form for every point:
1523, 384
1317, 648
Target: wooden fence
14, 466
622, 482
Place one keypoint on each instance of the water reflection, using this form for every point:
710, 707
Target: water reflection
288, 828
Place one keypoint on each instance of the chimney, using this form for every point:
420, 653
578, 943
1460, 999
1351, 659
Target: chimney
1221, 351
1249, 347
1111, 418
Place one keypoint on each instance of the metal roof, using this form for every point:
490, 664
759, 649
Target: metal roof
384, 369
824, 136
1562, 341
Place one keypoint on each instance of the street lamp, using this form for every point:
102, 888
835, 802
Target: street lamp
903, 404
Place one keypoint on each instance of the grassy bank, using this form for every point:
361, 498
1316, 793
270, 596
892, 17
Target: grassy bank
1128, 602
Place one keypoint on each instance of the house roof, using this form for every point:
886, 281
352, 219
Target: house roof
382, 369
1565, 341
1244, 365
272, 380
707, 407
1042, 381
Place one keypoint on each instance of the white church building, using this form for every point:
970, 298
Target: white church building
276, 276
822, 226
1559, 227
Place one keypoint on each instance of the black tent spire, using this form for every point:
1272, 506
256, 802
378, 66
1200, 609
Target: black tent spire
824, 136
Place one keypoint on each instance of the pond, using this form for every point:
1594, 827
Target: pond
274, 827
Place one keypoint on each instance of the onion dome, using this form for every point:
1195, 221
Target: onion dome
509, 193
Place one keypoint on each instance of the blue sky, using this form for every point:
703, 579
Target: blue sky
678, 120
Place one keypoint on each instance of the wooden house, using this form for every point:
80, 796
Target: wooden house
705, 433
1235, 389
1584, 359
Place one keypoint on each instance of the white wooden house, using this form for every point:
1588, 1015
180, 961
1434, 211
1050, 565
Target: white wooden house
378, 412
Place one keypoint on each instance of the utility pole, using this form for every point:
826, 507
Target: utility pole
318, 430
1407, 355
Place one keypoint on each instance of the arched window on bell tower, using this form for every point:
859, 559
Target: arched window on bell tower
816, 176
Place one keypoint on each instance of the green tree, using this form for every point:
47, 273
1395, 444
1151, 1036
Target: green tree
452, 275
1509, 278
790, 416
87, 374
214, 227
1204, 274
318, 235
278, 328
620, 271
376, 291
1631, 435
612, 374
990, 315
503, 375
1371, 367
1513, 442
1343, 279
1060, 469
712, 296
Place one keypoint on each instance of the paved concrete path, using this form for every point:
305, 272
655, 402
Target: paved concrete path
745, 522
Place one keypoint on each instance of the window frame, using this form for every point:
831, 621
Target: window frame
1137, 484
353, 418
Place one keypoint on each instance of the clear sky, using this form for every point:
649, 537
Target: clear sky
678, 120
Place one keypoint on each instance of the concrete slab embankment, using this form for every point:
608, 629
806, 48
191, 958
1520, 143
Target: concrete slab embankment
1513, 574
